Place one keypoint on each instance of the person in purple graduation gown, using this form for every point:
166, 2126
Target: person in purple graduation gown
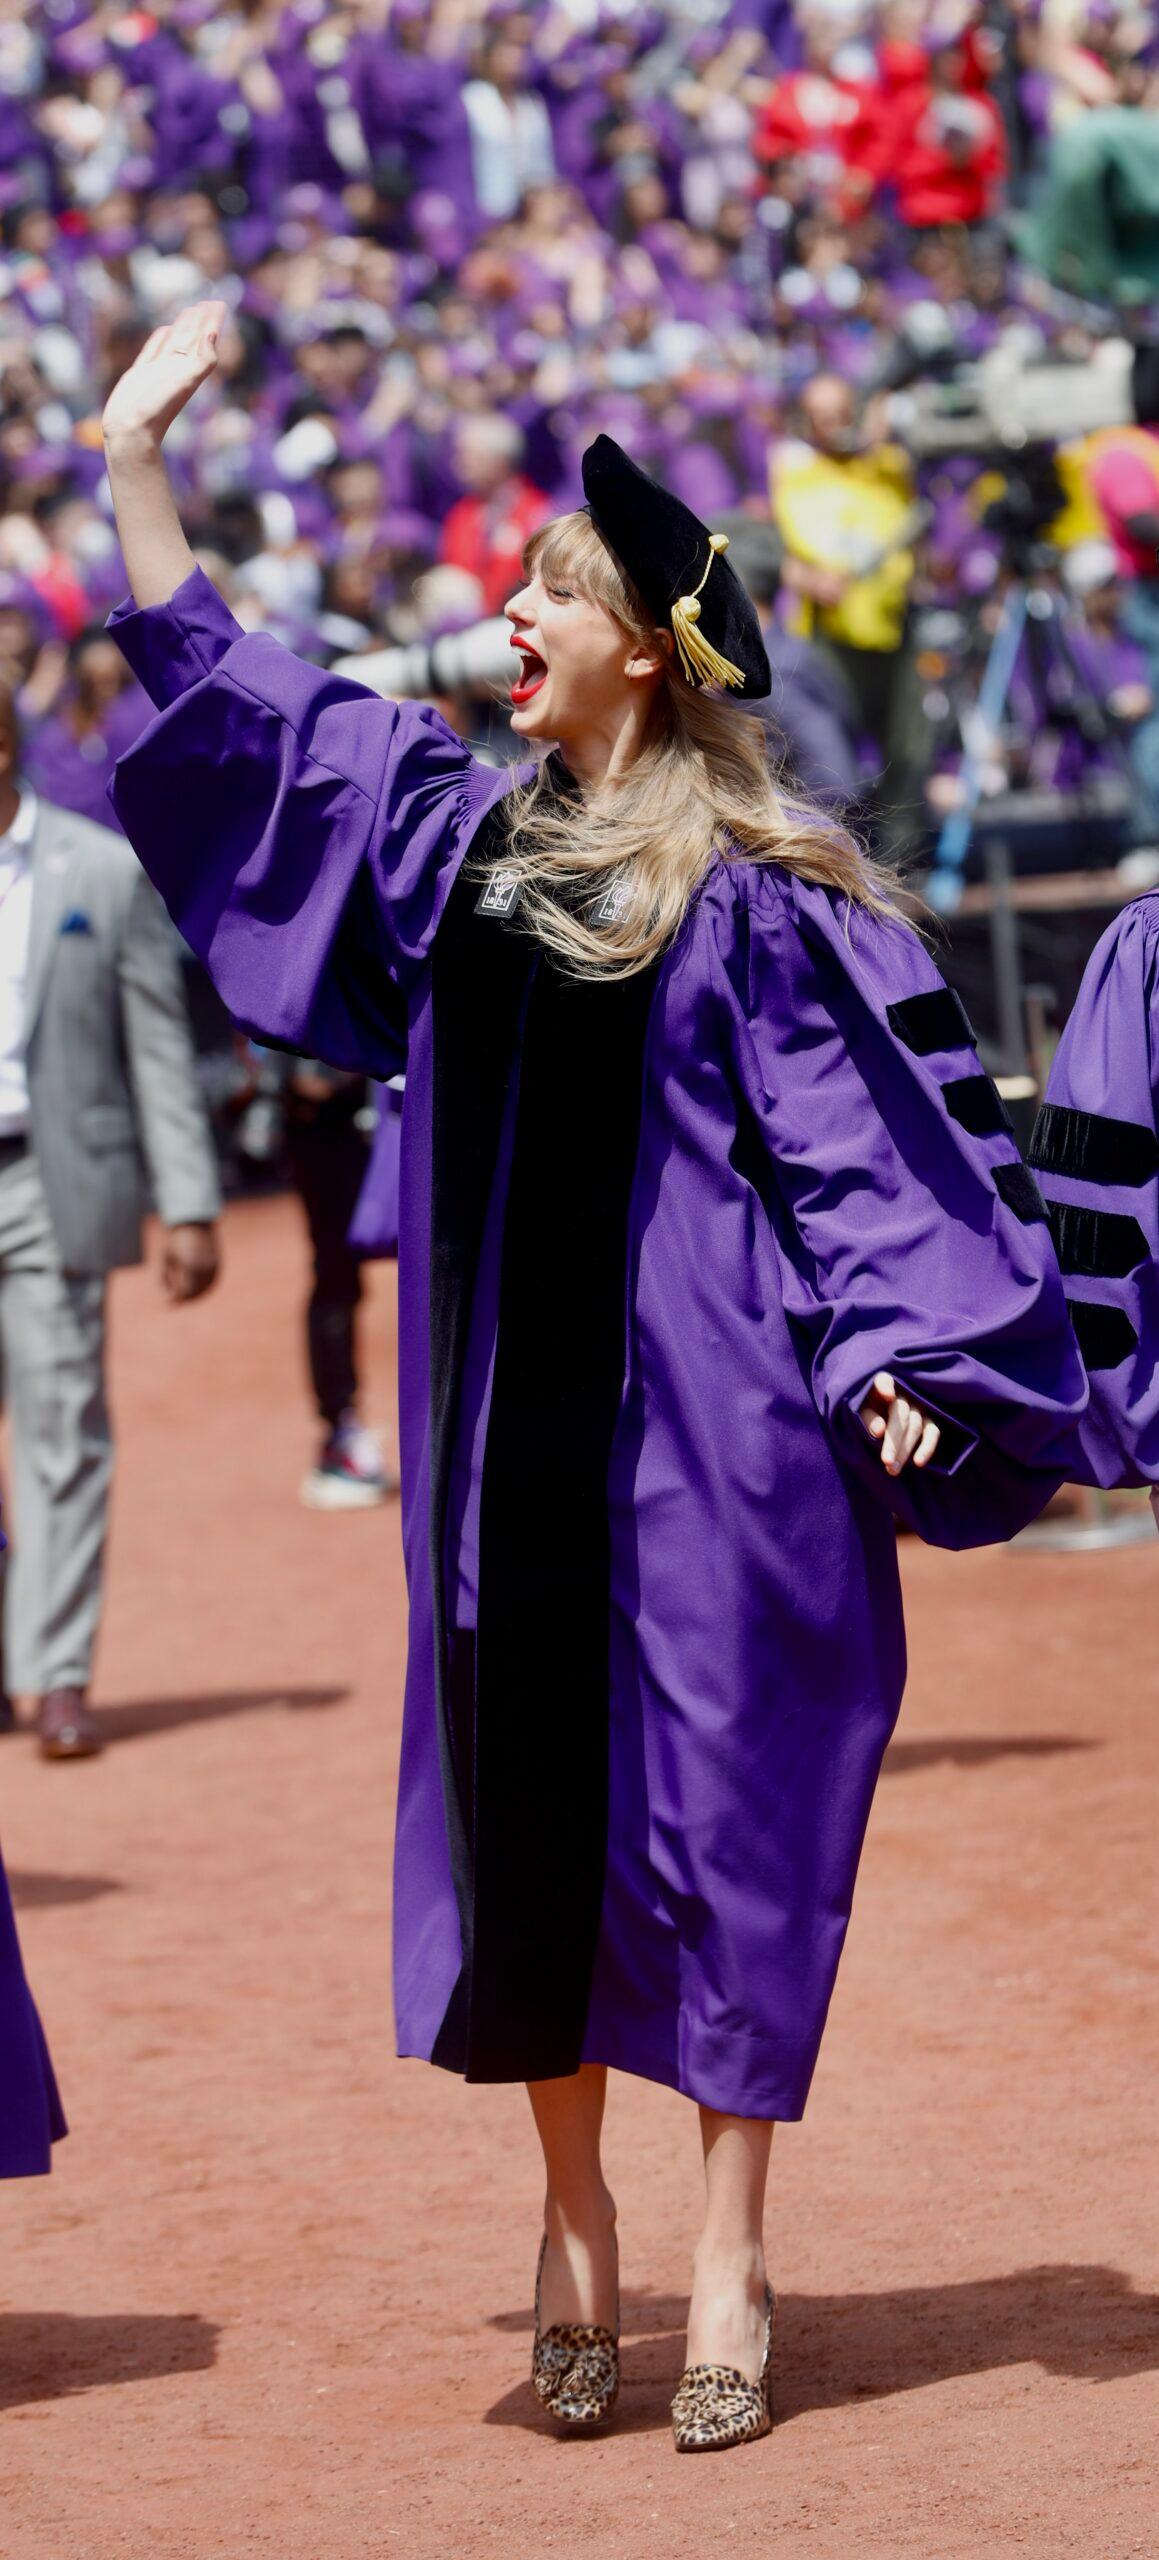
31, 2118
715, 1253
1096, 1153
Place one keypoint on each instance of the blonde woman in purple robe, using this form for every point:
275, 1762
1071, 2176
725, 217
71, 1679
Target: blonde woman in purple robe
715, 1255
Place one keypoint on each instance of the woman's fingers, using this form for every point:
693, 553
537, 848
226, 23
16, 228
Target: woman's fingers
899, 1426
172, 365
905, 1432
195, 331
927, 1445
876, 1405
898, 1441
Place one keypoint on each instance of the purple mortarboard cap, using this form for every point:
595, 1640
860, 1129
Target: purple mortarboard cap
308, 202
437, 223
615, 413
701, 477
87, 464
465, 359
708, 396
18, 595
79, 51
404, 529
48, 461
648, 30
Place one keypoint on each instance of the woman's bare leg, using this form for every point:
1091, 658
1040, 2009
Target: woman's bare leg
579, 2216
726, 2316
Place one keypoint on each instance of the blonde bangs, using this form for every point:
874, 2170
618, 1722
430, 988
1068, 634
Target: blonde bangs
702, 787
570, 552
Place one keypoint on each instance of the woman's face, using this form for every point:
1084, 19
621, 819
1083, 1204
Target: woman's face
578, 668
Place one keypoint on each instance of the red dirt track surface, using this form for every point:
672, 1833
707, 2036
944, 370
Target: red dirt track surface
275, 2298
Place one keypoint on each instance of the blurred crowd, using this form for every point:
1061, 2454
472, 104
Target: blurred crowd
458, 237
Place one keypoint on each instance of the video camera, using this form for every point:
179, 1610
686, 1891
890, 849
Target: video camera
1021, 393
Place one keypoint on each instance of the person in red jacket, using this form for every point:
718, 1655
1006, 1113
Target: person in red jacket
820, 122
942, 147
487, 528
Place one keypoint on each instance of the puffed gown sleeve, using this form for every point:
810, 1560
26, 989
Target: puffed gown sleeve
1096, 1152
910, 1236
303, 833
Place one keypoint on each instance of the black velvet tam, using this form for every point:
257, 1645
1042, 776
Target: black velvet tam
684, 578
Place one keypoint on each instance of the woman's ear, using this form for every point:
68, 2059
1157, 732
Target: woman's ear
651, 659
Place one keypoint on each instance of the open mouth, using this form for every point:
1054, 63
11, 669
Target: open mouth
532, 673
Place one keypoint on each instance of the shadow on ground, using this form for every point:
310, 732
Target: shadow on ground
50, 2355
1085, 2323
977, 1750
45, 1892
165, 1715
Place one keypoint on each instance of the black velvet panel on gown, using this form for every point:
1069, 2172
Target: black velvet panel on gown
526, 1791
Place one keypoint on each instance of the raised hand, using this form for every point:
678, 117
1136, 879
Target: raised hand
171, 366
900, 1426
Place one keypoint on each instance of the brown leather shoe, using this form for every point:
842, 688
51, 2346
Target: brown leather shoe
65, 1728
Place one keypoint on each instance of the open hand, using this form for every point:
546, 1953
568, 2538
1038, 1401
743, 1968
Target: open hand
901, 1427
171, 366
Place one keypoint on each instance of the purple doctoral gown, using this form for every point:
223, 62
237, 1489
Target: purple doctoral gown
673, 1224
30, 2111
1096, 1150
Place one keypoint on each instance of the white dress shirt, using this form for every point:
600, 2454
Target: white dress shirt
15, 915
511, 147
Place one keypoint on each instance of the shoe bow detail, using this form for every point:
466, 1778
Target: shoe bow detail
716, 2405
575, 2372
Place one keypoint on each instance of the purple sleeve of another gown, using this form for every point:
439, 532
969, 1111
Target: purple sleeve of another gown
911, 1238
374, 1226
303, 833
1096, 1153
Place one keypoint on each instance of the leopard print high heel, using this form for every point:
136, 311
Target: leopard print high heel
575, 2366
717, 2406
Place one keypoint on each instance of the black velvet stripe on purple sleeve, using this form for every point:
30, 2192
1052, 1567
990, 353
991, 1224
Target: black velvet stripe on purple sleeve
926, 1023
1099, 1244
1105, 1335
1088, 1146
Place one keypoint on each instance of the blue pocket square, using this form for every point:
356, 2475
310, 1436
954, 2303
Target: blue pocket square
77, 922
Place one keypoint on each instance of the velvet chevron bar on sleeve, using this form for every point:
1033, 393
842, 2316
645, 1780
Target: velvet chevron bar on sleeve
1096, 1154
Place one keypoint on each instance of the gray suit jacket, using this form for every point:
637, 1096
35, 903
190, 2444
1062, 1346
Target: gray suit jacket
116, 1111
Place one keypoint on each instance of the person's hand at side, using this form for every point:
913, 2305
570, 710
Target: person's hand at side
190, 1262
899, 1426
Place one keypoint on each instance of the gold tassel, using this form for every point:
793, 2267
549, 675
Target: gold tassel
702, 663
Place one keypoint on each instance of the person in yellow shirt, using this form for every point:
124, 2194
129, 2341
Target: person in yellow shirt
844, 505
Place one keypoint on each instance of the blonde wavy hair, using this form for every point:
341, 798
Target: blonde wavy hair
701, 786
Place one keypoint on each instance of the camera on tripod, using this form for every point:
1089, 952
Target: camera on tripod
1020, 394
1007, 413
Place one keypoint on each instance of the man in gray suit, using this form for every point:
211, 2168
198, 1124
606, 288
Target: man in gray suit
99, 1108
